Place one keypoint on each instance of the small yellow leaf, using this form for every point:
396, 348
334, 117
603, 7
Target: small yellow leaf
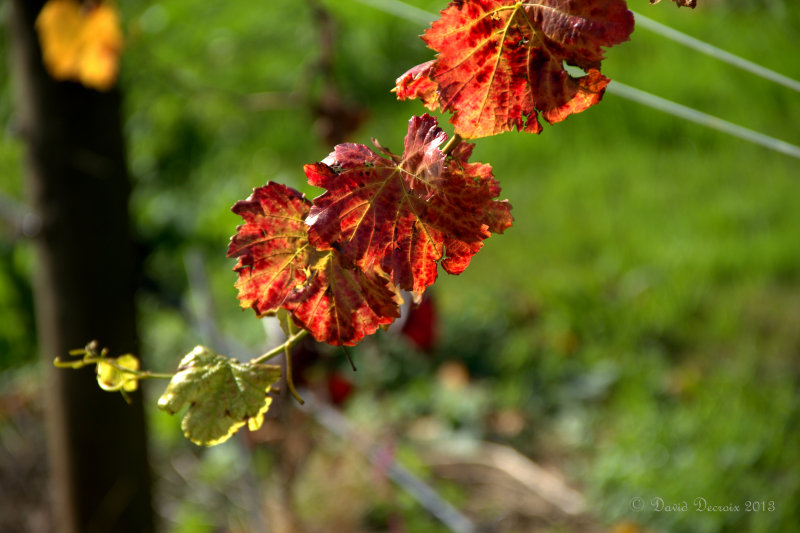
111, 378
80, 42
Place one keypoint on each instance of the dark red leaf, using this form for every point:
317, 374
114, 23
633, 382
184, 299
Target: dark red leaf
325, 294
339, 388
403, 215
341, 304
421, 326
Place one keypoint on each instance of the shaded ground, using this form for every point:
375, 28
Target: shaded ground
332, 487
24, 507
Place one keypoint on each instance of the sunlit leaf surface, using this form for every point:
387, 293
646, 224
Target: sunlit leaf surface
220, 395
501, 63
405, 214
111, 378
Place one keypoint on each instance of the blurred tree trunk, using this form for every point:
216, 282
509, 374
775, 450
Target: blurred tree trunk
84, 288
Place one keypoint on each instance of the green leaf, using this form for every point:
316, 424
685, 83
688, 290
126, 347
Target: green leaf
285, 319
111, 378
222, 395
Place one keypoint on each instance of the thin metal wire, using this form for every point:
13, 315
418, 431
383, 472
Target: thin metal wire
713, 51
339, 425
698, 117
401, 10
414, 14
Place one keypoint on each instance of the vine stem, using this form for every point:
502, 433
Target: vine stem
288, 354
289, 380
86, 361
291, 341
452, 143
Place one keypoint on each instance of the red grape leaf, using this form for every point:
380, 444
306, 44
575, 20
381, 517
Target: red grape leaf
271, 246
416, 83
404, 214
501, 62
277, 267
340, 304
421, 324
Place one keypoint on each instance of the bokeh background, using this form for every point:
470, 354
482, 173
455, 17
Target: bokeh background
635, 334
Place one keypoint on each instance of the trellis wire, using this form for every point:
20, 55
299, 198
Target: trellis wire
401, 10
424, 494
713, 51
698, 117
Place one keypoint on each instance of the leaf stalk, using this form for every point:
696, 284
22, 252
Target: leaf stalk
94, 360
291, 341
451, 143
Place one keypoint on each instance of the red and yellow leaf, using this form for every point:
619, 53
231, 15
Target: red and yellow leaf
501, 62
271, 246
278, 268
405, 214
416, 83
80, 42
341, 304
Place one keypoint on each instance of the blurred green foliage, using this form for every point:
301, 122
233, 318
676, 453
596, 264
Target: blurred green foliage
643, 314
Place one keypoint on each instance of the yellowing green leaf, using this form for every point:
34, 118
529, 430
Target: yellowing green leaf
111, 378
80, 42
221, 393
